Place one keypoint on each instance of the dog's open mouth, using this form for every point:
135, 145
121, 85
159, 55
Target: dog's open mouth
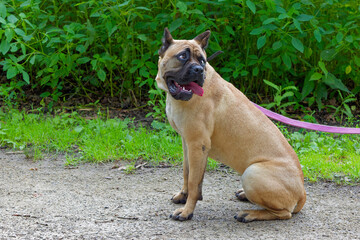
191, 87
184, 91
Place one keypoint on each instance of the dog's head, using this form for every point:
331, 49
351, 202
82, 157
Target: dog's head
182, 66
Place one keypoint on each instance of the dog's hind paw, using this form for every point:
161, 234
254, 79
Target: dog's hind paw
241, 195
179, 198
242, 218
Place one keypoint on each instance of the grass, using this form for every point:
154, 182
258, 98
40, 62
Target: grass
329, 157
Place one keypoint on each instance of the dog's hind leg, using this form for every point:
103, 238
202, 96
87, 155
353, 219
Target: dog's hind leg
277, 191
252, 215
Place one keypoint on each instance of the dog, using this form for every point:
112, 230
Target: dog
216, 120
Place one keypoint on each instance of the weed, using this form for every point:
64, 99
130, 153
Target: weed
130, 168
280, 95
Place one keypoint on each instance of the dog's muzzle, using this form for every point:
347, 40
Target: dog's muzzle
183, 87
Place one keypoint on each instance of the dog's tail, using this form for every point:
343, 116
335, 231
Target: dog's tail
300, 204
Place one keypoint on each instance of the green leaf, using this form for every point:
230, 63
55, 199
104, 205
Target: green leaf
123, 4
322, 67
348, 69
297, 44
12, 19
11, 72
251, 5
26, 77
257, 31
78, 129
182, 7
349, 39
328, 54
20, 32
287, 60
357, 61
335, 83
26, 3
255, 71
261, 42
271, 84
4, 46
80, 48
315, 76
133, 69
83, 60
32, 59
9, 33
195, 11
277, 45
144, 73
230, 30
307, 88
175, 24
143, 8
45, 94
348, 111
280, 9
101, 74
287, 94
307, 2
268, 21
339, 37
283, 16
3, 11
304, 17
317, 35
142, 37
298, 25
308, 52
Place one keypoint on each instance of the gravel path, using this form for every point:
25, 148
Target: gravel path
45, 200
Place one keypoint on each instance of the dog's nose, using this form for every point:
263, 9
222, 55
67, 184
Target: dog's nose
198, 69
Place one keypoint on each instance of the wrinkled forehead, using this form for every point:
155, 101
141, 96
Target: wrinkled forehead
179, 46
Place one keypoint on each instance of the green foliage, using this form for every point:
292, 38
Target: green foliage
344, 108
280, 95
326, 156
93, 48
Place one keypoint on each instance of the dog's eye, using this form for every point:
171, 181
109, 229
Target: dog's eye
202, 62
182, 56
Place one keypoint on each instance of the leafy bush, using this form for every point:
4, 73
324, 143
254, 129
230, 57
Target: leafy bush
109, 48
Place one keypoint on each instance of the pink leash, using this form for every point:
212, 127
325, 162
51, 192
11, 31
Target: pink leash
306, 125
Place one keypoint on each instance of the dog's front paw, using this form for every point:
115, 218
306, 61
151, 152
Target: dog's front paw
181, 214
179, 198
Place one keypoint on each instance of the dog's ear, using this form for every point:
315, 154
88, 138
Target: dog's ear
203, 39
166, 40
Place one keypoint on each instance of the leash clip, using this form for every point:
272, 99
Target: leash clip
214, 55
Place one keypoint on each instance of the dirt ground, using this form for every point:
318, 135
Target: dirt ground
46, 200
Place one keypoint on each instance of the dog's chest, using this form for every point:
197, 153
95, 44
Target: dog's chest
174, 116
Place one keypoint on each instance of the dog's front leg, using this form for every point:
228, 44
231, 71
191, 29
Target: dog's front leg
182, 195
197, 158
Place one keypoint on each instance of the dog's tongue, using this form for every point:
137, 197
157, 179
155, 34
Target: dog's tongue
195, 88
